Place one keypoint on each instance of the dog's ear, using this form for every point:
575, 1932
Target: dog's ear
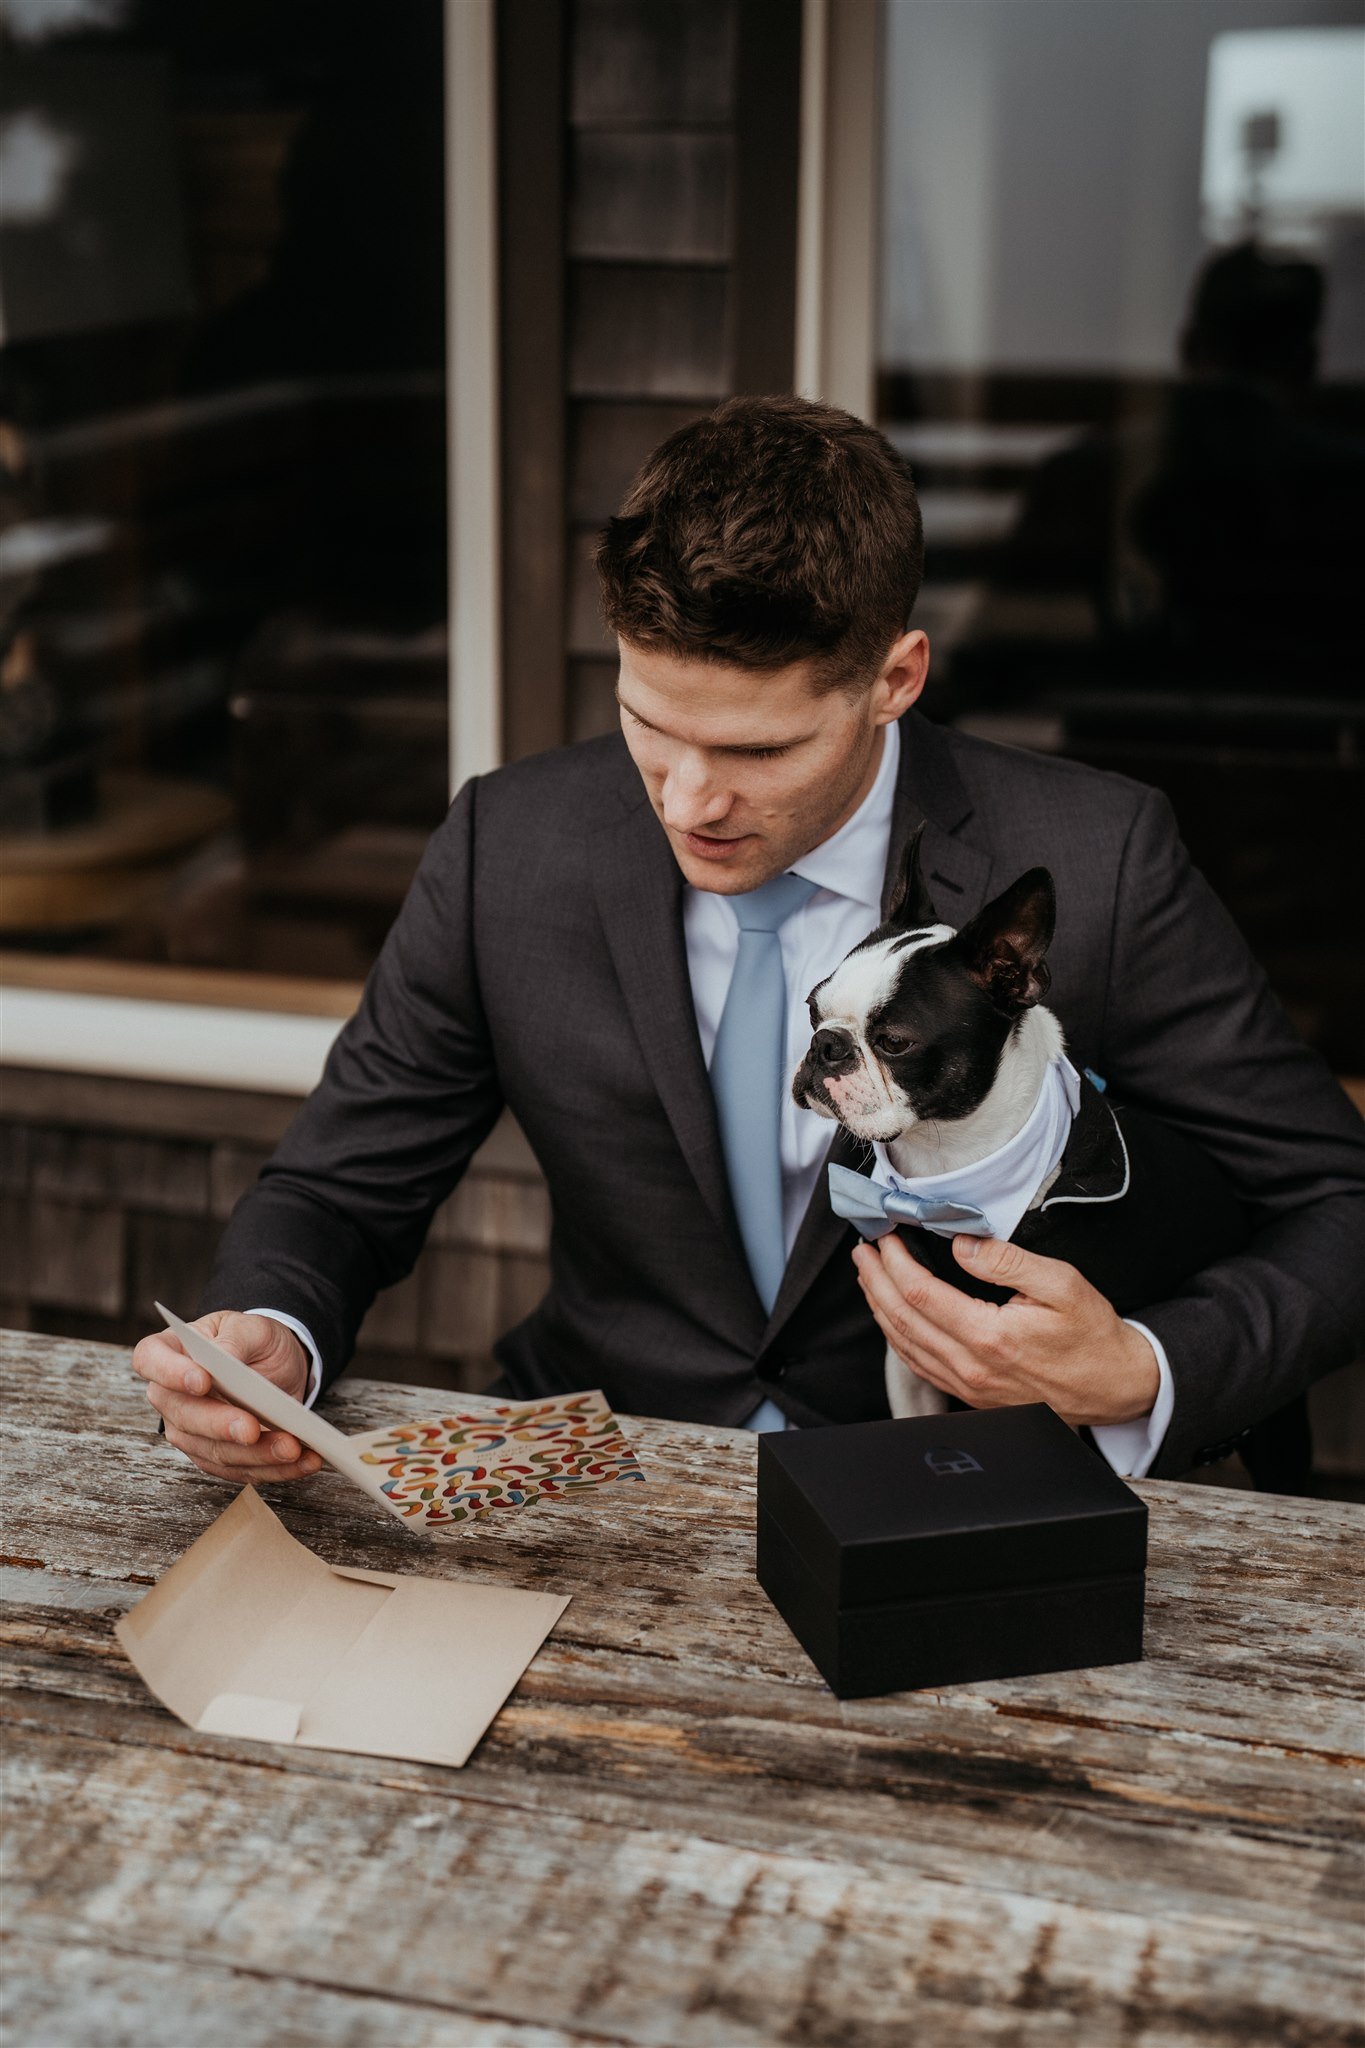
911, 906
1004, 945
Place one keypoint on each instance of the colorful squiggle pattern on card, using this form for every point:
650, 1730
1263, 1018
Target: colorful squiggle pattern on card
459, 1468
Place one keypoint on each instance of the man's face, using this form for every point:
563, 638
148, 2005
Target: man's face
747, 771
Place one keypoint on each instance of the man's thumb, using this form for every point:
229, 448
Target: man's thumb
994, 1259
1052, 1282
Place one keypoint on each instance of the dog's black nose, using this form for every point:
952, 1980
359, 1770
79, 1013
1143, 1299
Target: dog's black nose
832, 1046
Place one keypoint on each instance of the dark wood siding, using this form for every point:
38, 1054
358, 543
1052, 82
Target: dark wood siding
675, 287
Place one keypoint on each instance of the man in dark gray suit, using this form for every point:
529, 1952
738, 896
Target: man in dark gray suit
566, 951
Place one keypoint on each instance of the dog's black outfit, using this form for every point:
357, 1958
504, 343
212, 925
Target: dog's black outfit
1136, 1208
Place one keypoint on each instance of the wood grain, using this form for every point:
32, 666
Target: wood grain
673, 1833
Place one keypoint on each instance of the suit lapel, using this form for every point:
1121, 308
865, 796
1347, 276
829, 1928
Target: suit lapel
639, 897
928, 789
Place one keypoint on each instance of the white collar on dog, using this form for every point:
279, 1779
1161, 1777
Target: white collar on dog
1003, 1184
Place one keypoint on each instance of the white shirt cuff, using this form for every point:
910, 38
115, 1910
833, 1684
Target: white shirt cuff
1132, 1447
276, 1315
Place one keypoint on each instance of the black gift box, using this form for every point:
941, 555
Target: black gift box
930, 1551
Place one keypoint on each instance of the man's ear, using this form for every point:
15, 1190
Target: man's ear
911, 906
1005, 943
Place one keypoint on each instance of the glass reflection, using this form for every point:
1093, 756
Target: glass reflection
1121, 341
222, 500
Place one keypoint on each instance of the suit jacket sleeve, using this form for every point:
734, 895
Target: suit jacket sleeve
1193, 1033
409, 1093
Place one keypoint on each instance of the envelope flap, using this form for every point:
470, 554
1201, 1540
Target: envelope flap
430, 1671
190, 1636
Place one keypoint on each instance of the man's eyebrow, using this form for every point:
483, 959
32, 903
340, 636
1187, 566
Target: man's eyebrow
731, 747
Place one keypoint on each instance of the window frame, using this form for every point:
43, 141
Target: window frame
839, 203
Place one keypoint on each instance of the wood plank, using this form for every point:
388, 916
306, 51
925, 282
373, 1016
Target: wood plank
1108, 1829
107, 1102
652, 65
655, 197
659, 1938
592, 699
608, 442
646, 331
67, 1994
588, 633
225, 988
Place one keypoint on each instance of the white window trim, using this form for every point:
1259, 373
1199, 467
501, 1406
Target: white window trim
472, 494
269, 1051
839, 203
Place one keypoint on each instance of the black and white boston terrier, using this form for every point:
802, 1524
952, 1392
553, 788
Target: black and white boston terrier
932, 1045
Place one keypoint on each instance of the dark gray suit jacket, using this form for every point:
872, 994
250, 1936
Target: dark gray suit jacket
538, 962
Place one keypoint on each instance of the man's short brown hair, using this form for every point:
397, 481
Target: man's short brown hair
772, 531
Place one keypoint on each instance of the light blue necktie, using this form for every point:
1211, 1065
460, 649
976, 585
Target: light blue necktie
748, 1072
877, 1210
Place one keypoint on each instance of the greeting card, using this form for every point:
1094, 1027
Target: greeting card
445, 1472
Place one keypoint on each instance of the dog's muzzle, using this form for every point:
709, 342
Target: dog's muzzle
832, 1051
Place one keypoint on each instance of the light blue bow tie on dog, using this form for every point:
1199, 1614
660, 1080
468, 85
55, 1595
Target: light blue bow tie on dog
876, 1210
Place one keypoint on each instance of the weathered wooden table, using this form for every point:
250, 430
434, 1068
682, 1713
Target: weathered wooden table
672, 1834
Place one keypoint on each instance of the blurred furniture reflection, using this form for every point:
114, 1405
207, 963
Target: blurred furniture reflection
1170, 592
1176, 599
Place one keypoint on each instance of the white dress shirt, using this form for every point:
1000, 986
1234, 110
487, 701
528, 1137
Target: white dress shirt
848, 869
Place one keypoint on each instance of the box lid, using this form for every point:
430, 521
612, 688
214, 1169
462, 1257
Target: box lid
979, 1499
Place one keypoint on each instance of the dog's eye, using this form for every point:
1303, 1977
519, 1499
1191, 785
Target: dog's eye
892, 1043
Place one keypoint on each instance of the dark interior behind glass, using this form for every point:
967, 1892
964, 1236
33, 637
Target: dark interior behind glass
1123, 344
223, 722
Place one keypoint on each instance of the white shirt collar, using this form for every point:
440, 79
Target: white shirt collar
1004, 1183
852, 862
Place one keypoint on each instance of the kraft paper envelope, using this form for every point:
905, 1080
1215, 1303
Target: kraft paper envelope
445, 1470
250, 1634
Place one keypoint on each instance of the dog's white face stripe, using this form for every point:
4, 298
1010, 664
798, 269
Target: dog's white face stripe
868, 1101
864, 981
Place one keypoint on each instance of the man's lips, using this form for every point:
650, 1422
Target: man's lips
714, 849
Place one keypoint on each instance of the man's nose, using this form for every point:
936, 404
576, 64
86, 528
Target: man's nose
692, 797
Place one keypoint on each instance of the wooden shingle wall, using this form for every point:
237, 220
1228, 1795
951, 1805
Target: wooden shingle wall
113, 1194
648, 177
649, 242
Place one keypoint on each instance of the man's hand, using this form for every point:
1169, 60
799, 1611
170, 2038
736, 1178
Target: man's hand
224, 1441
1058, 1340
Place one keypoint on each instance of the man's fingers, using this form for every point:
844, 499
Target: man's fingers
209, 1417
161, 1362
228, 1435
961, 1317
257, 1475
246, 1468
1052, 1282
932, 1312
913, 1336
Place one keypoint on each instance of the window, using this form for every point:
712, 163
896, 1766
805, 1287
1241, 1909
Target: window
224, 720
1120, 337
